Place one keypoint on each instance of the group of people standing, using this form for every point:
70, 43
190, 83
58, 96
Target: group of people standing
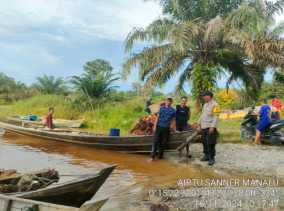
180, 116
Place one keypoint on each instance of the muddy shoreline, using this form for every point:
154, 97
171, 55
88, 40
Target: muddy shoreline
136, 183
243, 161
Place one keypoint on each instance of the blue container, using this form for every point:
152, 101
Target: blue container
33, 117
114, 132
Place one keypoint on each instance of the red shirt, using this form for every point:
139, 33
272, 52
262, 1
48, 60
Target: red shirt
277, 104
49, 121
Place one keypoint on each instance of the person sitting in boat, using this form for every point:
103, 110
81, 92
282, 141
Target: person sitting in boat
182, 115
49, 118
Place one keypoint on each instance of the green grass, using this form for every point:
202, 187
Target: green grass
109, 115
230, 131
119, 115
39, 105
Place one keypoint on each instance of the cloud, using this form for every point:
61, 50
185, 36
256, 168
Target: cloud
279, 18
29, 53
56, 37
111, 19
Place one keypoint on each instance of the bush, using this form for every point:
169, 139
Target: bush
227, 98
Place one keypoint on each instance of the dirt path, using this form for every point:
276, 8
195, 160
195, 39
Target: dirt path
243, 158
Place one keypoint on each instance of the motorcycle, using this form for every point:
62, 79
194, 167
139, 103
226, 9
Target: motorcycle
272, 135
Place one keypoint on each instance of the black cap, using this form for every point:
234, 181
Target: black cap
170, 99
207, 93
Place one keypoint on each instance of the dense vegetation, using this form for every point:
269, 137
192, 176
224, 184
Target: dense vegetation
198, 40
202, 40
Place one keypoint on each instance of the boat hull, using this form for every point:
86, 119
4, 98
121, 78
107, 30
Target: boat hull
9, 203
74, 193
130, 144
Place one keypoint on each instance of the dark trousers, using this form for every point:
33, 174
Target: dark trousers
209, 141
181, 127
161, 138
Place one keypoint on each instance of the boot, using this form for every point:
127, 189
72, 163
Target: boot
211, 162
204, 159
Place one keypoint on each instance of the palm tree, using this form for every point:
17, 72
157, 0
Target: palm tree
201, 50
253, 28
191, 9
97, 80
50, 85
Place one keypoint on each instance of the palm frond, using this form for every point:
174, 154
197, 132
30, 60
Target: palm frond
274, 7
278, 30
147, 59
214, 31
157, 32
184, 77
167, 69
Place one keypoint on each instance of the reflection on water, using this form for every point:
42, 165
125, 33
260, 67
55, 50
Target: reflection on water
132, 177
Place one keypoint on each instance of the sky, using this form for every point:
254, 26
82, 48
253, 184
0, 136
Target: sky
56, 37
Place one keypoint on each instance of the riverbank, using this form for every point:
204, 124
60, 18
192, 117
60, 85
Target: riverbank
260, 160
137, 184
100, 119
122, 115
258, 170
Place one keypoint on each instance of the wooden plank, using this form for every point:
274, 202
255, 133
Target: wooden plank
6, 205
188, 141
16, 204
93, 206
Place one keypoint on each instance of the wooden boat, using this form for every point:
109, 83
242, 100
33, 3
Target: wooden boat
74, 193
9, 203
16, 176
59, 123
131, 144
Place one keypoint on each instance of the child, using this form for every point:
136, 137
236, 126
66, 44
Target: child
49, 118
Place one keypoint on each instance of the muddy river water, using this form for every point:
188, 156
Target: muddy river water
126, 188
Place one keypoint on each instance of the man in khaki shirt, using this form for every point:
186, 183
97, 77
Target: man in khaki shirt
208, 123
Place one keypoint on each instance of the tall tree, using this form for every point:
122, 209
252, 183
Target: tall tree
50, 85
202, 50
96, 81
13, 90
192, 9
98, 66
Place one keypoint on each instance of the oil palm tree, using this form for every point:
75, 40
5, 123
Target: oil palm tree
202, 50
94, 86
253, 28
50, 85
96, 81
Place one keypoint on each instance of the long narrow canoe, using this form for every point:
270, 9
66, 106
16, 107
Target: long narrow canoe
74, 193
131, 144
9, 203
61, 123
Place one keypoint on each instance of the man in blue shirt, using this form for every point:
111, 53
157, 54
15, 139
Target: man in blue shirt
162, 126
264, 121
